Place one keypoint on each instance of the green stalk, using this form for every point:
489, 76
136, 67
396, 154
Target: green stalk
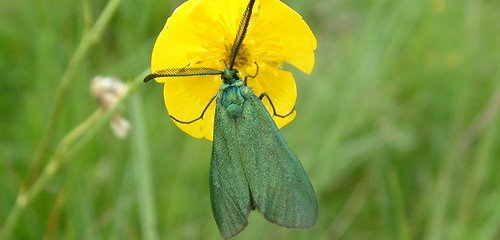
397, 199
140, 162
88, 39
69, 145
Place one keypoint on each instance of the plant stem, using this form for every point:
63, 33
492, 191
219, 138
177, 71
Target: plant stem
140, 158
69, 145
88, 39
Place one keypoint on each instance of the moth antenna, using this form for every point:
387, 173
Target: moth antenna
242, 31
182, 72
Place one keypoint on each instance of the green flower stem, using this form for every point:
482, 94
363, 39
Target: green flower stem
140, 158
88, 39
69, 145
25, 196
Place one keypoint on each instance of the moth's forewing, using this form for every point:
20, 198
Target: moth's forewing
279, 186
229, 192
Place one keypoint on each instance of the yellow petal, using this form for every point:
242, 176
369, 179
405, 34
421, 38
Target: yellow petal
174, 41
281, 26
187, 97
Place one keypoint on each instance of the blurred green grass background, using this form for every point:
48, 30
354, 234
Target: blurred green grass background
397, 126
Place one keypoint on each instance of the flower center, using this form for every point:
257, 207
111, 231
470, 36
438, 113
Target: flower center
243, 57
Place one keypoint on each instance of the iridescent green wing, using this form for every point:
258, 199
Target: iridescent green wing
279, 186
229, 193
253, 167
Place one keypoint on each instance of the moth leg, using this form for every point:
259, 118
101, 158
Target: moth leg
198, 118
252, 76
262, 95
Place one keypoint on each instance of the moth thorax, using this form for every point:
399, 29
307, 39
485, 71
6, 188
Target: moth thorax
233, 101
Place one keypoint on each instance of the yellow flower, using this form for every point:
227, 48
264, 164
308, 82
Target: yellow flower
200, 34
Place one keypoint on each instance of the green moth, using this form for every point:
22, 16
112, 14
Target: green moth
252, 166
